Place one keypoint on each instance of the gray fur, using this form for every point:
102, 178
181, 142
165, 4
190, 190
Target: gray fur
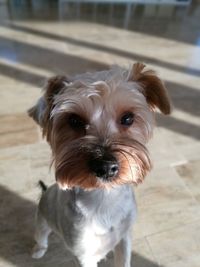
91, 223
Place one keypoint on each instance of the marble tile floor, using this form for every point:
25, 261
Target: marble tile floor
34, 47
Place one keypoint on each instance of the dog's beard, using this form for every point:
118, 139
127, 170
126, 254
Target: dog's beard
72, 170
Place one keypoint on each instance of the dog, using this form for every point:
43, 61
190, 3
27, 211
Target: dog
98, 125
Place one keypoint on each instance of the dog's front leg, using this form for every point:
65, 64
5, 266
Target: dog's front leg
122, 253
41, 237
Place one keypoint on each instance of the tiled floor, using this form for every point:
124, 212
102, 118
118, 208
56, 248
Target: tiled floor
37, 41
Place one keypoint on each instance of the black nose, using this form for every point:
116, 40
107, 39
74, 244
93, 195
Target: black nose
104, 168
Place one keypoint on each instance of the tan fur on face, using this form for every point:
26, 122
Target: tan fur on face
101, 99
101, 105
72, 168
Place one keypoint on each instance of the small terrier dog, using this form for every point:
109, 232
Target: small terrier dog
97, 125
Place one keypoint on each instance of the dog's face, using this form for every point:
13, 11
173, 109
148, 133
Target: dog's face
98, 130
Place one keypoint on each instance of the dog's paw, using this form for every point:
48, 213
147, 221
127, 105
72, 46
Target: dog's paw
38, 252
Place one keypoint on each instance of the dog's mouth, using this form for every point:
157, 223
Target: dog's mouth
90, 171
90, 165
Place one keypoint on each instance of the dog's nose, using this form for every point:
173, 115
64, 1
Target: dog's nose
104, 168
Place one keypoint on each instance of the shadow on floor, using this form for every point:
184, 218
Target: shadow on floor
184, 97
20, 75
110, 50
45, 58
16, 237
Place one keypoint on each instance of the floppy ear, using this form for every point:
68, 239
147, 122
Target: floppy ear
41, 111
152, 87
37, 111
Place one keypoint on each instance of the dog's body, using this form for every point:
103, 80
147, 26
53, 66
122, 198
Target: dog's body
85, 221
98, 125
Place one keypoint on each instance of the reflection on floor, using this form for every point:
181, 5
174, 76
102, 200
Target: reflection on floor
38, 40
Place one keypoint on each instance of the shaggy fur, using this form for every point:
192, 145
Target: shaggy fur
82, 118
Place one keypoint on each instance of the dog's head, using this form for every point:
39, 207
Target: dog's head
98, 128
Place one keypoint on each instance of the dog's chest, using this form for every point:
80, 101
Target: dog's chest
106, 218
99, 237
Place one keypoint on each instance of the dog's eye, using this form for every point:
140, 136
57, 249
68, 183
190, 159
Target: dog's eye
76, 122
127, 119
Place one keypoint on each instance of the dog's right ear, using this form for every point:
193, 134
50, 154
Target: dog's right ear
151, 86
42, 110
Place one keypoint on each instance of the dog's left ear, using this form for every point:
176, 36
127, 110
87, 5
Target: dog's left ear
42, 110
152, 87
